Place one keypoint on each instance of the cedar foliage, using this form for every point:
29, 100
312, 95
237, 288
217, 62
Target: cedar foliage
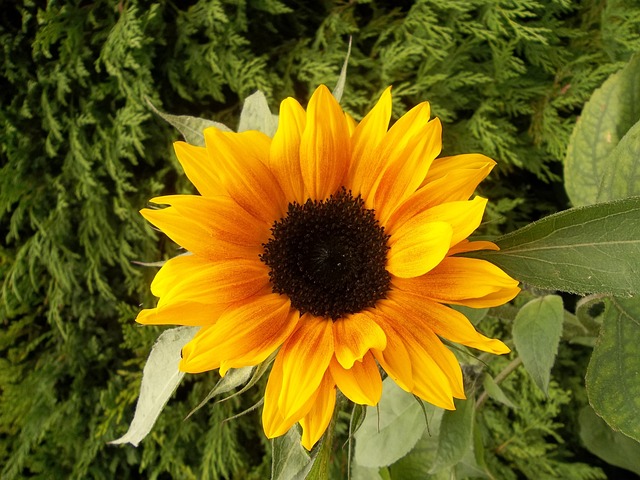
81, 154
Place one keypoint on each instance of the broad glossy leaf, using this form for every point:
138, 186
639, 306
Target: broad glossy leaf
621, 175
289, 456
605, 119
593, 249
256, 115
456, 435
191, 128
536, 333
613, 447
613, 376
160, 378
389, 435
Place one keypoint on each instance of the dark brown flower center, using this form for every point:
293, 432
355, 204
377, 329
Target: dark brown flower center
328, 256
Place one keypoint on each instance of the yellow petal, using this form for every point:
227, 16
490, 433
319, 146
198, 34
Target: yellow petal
416, 249
216, 228
306, 356
463, 281
242, 159
428, 380
192, 278
463, 217
442, 166
446, 322
401, 139
325, 146
466, 246
361, 383
273, 422
243, 335
316, 421
284, 159
366, 137
199, 168
395, 358
180, 313
354, 336
403, 177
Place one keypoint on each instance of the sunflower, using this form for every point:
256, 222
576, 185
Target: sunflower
333, 244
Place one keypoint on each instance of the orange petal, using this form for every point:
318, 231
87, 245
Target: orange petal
193, 278
428, 380
325, 146
366, 137
361, 383
243, 335
354, 335
306, 356
446, 322
316, 421
242, 159
199, 168
463, 281
215, 228
416, 249
403, 177
273, 422
395, 358
284, 159
456, 185
180, 313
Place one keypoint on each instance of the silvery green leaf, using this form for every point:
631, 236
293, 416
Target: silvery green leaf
234, 378
289, 456
342, 79
160, 378
391, 432
256, 115
191, 128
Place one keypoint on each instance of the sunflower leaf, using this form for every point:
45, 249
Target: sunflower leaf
613, 375
612, 110
536, 334
256, 115
234, 378
383, 439
621, 175
289, 457
160, 378
613, 447
191, 128
591, 249
342, 79
456, 435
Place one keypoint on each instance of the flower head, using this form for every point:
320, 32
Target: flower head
334, 244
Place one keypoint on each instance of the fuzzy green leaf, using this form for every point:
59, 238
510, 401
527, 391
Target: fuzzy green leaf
612, 110
160, 378
256, 115
191, 128
456, 435
621, 175
536, 333
391, 432
234, 378
613, 447
613, 376
494, 391
289, 456
591, 249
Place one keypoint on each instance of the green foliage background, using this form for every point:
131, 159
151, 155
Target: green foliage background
81, 154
